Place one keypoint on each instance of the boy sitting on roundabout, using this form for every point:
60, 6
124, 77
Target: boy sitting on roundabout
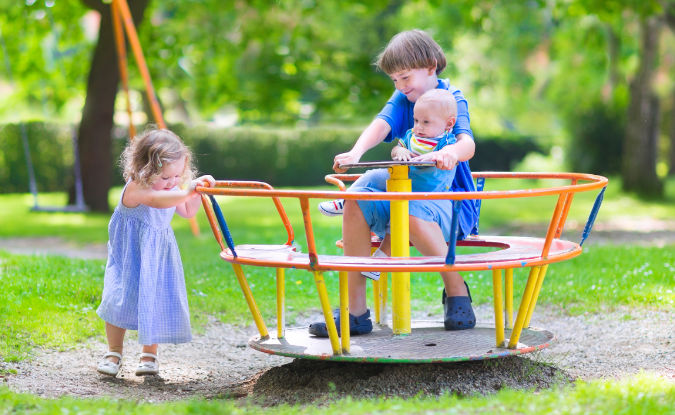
435, 115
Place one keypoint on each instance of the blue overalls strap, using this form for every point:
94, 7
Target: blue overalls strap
223, 225
480, 185
594, 213
454, 225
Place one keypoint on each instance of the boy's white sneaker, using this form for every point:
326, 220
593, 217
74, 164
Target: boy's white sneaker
375, 275
106, 367
332, 208
147, 368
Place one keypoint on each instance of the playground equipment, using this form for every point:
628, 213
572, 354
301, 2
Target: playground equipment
404, 340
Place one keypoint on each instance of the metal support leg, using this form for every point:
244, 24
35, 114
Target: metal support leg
382, 300
535, 295
508, 296
498, 304
255, 312
524, 306
327, 312
281, 303
344, 311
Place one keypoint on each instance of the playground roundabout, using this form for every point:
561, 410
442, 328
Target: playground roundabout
219, 364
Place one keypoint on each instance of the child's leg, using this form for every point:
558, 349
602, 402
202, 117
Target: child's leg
356, 241
428, 239
115, 337
150, 349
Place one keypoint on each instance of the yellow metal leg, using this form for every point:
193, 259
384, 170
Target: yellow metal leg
524, 305
400, 247
344, 311
281, 303
498, 302
382, 301
535, 295
255, 312
508, 296
327, 312
376, 298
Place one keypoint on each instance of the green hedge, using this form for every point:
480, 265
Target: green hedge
278, 157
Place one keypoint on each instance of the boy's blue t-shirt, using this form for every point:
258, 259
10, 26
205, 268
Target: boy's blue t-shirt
398, 113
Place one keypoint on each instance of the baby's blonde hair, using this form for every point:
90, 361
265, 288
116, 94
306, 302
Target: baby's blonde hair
144, 156
413, 49
443, 98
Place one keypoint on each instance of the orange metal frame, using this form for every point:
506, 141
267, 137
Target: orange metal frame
257, 189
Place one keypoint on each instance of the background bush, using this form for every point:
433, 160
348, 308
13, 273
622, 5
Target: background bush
279, 157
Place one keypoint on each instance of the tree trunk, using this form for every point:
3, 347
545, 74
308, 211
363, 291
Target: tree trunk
642, 128
95, 141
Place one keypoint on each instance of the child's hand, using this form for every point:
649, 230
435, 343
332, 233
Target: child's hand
445, 160
401, 154
344, 158
200, 182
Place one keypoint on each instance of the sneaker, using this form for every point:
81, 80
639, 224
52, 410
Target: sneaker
357, 325
375, 275
332, 208
458, 312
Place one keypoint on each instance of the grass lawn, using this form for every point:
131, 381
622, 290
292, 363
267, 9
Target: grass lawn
640, 395
51, 301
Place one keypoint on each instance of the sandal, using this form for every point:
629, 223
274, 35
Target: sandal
106, 367
357, 325
147, 368
458, 311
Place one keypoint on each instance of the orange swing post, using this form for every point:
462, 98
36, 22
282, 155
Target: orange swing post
123, 22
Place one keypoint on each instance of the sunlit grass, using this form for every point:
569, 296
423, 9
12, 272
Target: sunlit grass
645, 394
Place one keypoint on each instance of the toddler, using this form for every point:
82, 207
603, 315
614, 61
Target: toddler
144, 288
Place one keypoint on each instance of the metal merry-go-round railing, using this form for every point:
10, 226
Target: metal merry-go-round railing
404, 340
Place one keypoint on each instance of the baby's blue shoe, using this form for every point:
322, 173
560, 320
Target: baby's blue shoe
458, 312
357, 325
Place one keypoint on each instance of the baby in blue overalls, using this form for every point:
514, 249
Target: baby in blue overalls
435, 114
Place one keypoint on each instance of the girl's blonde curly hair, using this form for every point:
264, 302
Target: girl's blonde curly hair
144, 156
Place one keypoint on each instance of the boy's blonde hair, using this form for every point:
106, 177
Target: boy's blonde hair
144, 156
444, 100
413, 49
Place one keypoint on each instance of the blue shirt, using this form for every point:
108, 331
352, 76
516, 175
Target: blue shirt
398, 113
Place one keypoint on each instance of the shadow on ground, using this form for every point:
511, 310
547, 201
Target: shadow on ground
307, 381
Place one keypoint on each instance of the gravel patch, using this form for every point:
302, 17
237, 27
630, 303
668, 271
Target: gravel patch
50, 245
219, 364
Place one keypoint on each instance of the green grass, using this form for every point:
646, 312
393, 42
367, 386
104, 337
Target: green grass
51, 302
642, 394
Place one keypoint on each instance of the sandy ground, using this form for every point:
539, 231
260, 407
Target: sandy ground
218, 363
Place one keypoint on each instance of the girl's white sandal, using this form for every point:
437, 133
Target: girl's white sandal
147, 368
106, 367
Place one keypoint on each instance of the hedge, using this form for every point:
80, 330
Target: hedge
278, 157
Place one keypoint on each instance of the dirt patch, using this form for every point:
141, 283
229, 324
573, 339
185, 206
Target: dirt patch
219, 364
304, 381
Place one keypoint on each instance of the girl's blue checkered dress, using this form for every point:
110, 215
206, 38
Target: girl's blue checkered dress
144, 287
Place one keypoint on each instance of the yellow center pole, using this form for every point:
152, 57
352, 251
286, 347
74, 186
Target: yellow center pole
281, 303
400, 247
